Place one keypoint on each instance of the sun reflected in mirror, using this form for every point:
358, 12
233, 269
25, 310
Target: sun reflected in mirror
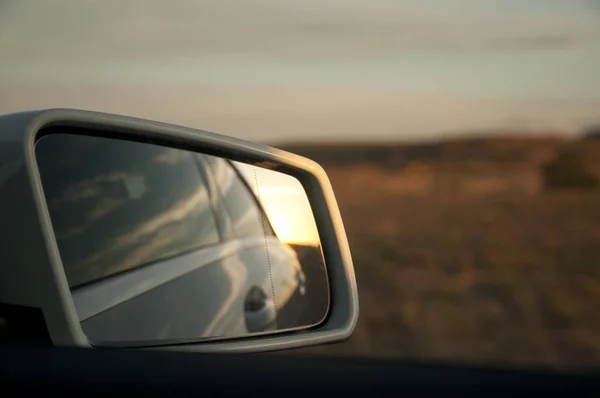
285, 203
290, 216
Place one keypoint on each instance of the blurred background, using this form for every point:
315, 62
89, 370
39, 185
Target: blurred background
462, 138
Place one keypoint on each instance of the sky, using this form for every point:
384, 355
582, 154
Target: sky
301, 70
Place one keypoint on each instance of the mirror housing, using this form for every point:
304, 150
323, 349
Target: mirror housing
32, 274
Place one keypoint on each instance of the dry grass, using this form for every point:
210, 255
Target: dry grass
471, 263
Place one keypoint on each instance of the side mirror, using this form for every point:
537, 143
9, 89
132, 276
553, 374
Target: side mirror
130, 233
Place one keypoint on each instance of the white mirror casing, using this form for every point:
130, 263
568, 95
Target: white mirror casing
32, 273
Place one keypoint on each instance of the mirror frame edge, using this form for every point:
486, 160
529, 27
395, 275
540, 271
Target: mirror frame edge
344, 306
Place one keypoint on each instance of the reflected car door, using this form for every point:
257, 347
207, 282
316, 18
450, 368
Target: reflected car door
229, 289
139, 241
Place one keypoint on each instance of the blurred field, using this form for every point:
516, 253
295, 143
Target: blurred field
462, 256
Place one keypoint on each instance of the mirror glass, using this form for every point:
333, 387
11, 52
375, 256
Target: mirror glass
162, 245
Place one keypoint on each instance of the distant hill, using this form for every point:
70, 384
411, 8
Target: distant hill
393, 155
593, 134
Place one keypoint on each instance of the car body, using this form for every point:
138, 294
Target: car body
164, 245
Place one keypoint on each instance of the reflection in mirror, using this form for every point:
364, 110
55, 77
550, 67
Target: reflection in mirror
162, 245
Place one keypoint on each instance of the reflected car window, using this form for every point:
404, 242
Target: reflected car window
116, 205
241, 204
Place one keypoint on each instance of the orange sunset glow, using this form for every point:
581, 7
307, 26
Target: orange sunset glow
285, 203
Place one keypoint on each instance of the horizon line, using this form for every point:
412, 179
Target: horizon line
489, 135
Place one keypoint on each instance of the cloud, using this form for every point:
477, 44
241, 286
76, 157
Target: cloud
299, 29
